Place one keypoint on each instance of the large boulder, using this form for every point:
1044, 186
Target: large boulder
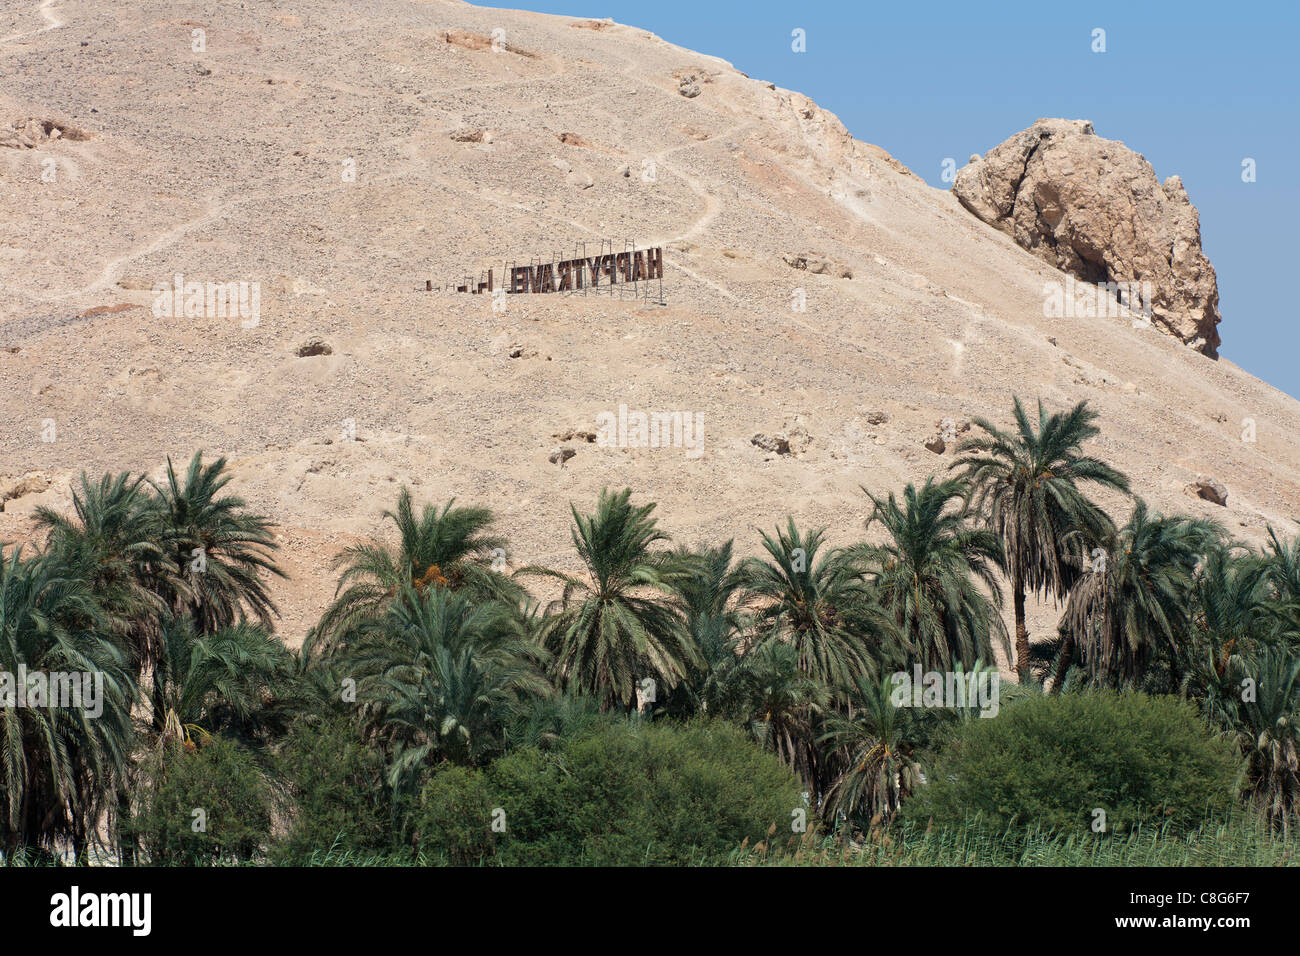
1094, 208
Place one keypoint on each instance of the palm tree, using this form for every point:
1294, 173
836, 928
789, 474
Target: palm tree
1230, 611
205, 679
820, 604
60, 766
876, 753
1026, 486
221, 549
451, 547
441, 678
927, 575
1281, 562
708, 588
1137, 605
622, 621
114, 543
781, 705
1268, 730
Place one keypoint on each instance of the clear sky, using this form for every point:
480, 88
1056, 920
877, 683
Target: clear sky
1195, 87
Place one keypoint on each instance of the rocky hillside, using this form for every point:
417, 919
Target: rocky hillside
826, 311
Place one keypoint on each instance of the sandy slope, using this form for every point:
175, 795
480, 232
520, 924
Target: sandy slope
235, 174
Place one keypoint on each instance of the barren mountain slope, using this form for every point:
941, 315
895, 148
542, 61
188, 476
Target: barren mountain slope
230, 164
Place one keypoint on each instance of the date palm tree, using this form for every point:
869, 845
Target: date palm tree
1281, 560
1026, 485
621, 621
708, 587
1268, 730
1230, 617
451, 547
780, 704
114, 543
928, 573
820, 604
62, 762
221, 549
875, 749
441, 678
204, 680
1136, 604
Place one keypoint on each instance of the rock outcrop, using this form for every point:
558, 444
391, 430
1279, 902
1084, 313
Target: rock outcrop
1206, 487
1094, 208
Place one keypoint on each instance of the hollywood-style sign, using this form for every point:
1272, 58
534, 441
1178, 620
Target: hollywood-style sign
578, 274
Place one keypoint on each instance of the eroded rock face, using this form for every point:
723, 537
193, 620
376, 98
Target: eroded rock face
1094, 208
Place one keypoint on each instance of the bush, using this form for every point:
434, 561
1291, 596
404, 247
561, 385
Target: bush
202, 806
453, 822
1049, 762
339, 800
622, 793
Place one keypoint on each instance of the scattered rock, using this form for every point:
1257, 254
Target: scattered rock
572, 435
479, 43
472, 136
576, 177
108, 310
775, 443
818, 265
314, 346
560, 455
799, 439
877, 417
521, 351
936, 444
32, 483
1206, 487
30, 133
688, 87
1094, 208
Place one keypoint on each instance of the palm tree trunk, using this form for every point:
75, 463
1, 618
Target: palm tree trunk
1064, 657
1022, 635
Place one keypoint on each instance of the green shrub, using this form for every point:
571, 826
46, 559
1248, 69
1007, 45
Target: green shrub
453, 822
1049, 762
339, 802
622, 793
202, 806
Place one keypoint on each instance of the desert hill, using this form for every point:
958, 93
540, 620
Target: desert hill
467, 148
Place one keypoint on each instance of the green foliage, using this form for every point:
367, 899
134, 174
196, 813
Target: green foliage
451, 547
59, 766
453, 822
221, 779
624, 793
819, 603
202, 680
221, 550
620, 622
340, 801
1026, 485
1122, 616
1237, 840
932, 575
439, 677
1049, 762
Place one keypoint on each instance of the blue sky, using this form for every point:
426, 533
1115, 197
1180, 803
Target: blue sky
1196, 87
